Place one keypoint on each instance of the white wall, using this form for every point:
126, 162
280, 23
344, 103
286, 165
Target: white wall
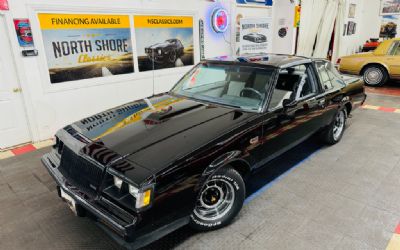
368, 25
51, 107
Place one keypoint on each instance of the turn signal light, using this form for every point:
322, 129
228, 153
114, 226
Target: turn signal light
146, 197
143, 198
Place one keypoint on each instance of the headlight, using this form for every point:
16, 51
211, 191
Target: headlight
143, 198
117, 182
159, 51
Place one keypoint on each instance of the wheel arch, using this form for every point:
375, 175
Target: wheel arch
243, 167
364, 67
231, 159
349, 107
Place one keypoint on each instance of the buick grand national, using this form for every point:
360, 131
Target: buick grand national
146, 168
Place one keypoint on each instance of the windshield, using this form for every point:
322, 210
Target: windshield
241, 87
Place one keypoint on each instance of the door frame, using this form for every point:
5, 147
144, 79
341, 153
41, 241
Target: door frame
27, 103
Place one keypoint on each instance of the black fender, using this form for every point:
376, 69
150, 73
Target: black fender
219, 162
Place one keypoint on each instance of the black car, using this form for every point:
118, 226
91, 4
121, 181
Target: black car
166, 52
148, 167
255, 38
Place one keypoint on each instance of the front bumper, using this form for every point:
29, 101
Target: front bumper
157, 57
109, 217
118, 228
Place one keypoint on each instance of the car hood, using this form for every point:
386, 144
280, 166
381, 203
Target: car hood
159, 45
154, 132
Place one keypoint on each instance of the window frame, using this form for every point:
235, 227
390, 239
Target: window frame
309, 70
393, 48
334, 87
265, 102
322, 85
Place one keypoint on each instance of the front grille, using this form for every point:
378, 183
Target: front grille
80, 172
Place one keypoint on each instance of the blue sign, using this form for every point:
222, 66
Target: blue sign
255, 2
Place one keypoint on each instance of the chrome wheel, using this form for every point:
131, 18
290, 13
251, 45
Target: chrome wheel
215, 200
373, 76
338, 125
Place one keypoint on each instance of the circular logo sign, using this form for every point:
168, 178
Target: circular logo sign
220, 20
282, 32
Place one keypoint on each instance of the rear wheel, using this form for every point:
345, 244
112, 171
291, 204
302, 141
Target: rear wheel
334, 132
375, 75
219, 201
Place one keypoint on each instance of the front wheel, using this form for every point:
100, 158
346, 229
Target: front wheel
172, 56
219, 201
334, 132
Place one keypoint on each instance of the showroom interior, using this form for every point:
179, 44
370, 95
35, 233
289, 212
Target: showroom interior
291, 136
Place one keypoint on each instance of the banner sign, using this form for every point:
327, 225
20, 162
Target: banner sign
24, 33
80, 46
255, 2
297, 12
164, 41
201, 39
255, 35
4, 5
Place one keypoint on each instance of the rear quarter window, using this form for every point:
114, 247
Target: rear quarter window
329, 77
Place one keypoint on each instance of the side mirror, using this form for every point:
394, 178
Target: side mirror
287, 103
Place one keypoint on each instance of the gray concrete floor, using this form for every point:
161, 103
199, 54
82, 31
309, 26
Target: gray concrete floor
342, 197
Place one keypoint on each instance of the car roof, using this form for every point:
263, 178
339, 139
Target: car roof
272, 60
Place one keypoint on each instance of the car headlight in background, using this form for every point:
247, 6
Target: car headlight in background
159, 51
143, 198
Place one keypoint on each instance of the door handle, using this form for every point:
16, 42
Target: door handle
17, 90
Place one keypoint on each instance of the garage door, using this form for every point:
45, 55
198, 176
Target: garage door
13, 124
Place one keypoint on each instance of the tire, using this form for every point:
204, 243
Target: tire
375, 75
224, 191
172, 56
334, 132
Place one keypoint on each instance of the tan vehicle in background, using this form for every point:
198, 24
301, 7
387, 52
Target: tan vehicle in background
376, 67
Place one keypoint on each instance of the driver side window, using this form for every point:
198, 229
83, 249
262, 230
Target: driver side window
294, 83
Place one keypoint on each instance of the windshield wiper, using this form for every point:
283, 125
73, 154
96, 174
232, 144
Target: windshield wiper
205, 99
212, 101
